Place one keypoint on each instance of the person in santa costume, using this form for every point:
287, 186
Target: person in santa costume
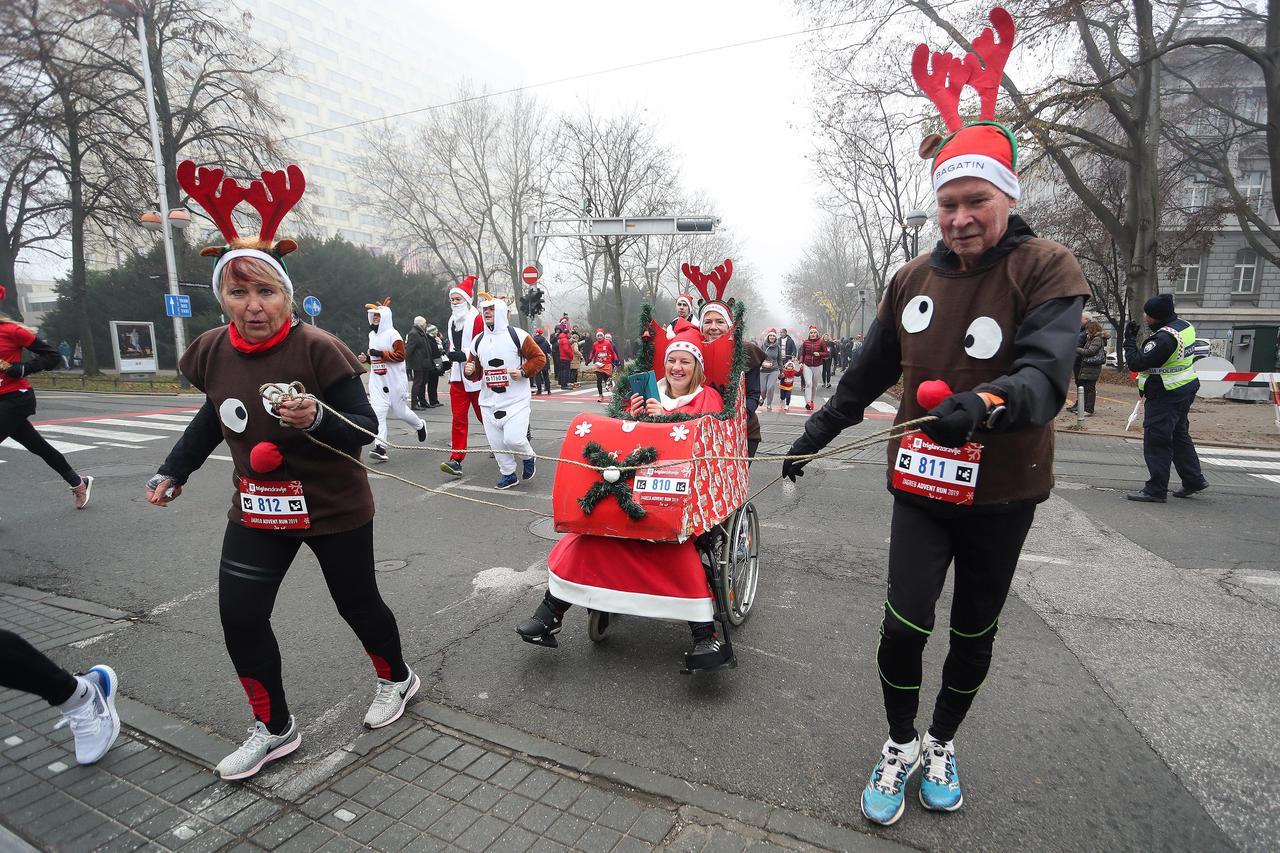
595, 571
716, 321
686, 309
982, 332
464, 393
503, 358
388, 381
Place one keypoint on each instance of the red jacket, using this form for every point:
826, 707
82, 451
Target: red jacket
566, 349
813, 353
603, 351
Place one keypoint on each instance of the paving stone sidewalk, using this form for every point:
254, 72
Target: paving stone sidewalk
438, 779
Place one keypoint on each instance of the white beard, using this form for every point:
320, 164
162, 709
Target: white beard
458, 313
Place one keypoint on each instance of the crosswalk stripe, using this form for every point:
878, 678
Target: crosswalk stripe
121, 422
1244, 463
60, 446
105, 434
884, 407
1231, 451
1273, 478
181, 419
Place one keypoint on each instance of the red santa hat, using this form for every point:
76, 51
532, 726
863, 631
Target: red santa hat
599, 333
984, 148
712, 300
686, 299
2, 292
813, 330
686, 340
465, 288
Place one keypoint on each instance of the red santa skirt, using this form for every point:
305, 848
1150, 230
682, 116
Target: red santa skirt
660, 580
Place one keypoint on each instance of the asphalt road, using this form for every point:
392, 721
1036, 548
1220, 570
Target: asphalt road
1127, 707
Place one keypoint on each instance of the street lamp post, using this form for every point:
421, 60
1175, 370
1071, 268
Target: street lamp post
651, 275
914, 220
126, 10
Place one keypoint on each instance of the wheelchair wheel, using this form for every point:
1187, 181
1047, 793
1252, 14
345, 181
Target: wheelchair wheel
597, 624
740, 565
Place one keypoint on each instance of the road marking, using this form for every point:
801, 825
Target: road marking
884, 407
60, 446
181, 419
1227, 451
1272, 478
144, 424
1038, 558
105, 434
178, 602
1268, 581
221, 458
1245, 463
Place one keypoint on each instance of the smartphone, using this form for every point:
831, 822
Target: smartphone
645, 384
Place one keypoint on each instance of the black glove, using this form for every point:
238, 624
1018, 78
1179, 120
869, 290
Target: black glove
1131, 329
16, 371
454, 355
958, 416
792, 468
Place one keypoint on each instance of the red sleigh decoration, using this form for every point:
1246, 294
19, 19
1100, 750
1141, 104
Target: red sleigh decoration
694, 496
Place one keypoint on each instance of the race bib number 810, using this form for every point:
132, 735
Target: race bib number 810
947, 474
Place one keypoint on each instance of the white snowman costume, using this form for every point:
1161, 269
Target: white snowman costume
504, 402
388, 380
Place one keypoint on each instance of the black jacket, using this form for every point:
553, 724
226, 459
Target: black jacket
1155, 352
416, 349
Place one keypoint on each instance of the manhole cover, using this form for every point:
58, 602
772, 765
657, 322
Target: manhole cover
545, 528
390, 565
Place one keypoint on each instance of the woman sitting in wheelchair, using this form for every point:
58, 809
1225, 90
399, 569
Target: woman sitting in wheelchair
683, 390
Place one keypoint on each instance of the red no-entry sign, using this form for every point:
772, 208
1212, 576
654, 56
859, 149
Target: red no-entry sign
530, 274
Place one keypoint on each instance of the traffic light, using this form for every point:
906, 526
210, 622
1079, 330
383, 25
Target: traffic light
536, 297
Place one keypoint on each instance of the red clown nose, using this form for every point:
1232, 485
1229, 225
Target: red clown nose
931, 392
265, 457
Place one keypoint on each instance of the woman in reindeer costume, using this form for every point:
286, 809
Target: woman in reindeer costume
388, 381
982, 332
262, 375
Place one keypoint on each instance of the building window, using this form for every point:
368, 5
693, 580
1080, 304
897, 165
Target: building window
1250, 186
1197, 192
1246, 272
1251, 109
1189, 280
1203, 123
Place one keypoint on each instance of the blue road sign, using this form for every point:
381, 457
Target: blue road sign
177, 305
311, 305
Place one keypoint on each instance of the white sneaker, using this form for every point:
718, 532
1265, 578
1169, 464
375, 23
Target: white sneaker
389, 701
95, 725
81, 492
260, 747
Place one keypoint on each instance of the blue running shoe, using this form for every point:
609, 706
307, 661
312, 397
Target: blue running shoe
884, 797
506, 481
940, 787
530, 467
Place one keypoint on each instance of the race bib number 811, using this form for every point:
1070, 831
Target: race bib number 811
947, 474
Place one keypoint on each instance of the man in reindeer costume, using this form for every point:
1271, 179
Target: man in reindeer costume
388, 381
982, 332
502, 359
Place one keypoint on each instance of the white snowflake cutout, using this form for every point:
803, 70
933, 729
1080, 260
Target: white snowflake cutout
582, 429
679, 432
629, 426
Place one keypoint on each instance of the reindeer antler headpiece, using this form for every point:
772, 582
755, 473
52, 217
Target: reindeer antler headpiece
983, 148
719, 279
272, 196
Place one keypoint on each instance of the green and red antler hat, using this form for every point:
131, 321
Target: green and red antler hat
984, 148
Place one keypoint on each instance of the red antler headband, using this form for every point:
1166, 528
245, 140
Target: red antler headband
943, 79
719, 277
983, 148
272, 196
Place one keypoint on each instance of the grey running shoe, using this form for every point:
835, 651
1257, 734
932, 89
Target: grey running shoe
378, 453
260, 747
81, 492
389, 701
95, 725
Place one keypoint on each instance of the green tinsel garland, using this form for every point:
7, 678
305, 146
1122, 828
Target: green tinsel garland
600, 458
620, 405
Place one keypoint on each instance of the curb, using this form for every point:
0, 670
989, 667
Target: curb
1137, 436
762, 816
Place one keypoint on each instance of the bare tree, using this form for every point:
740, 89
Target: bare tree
614, 167
463, 185
817, 286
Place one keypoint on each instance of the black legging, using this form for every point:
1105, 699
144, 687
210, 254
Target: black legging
985, 547
254, 564
826, 372
600, 380
16, 407
23, 667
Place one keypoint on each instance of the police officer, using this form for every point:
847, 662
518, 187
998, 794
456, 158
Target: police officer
1167, 379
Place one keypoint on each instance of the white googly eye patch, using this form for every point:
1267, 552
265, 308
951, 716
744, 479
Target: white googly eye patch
274, 390
918, 313
234, 415
983, 338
